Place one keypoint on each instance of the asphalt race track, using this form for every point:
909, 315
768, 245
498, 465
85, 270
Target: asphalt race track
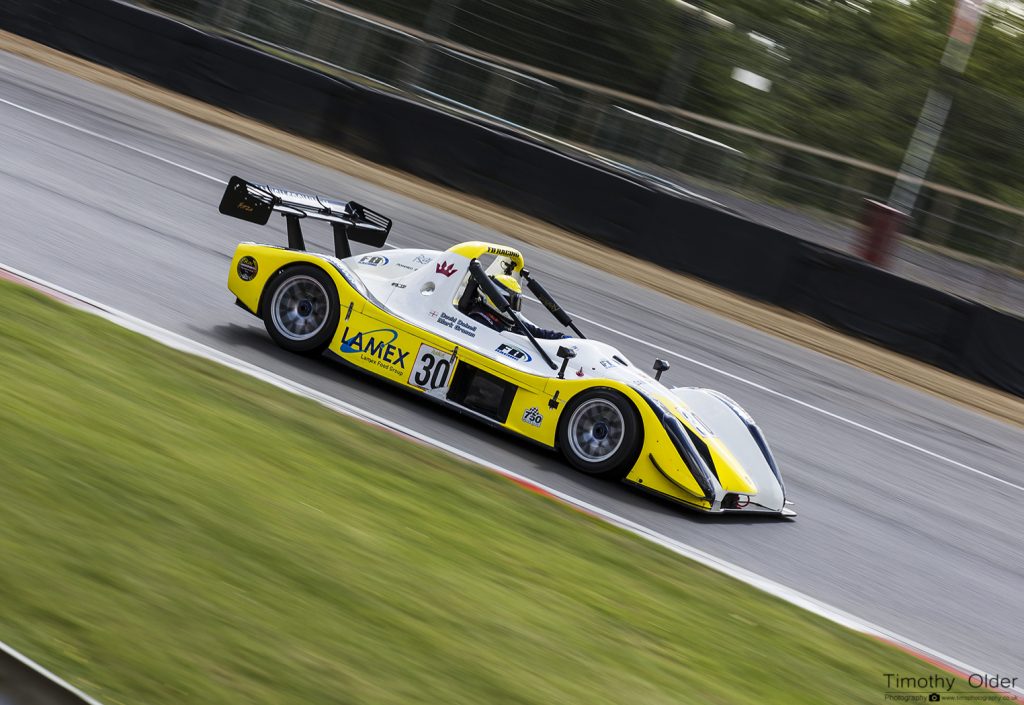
918, 530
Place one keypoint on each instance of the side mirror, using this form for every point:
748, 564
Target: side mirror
659, 367
566, 354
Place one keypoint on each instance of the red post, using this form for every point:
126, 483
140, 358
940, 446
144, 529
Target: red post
879, 227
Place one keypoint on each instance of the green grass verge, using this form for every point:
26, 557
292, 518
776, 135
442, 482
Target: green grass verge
174, 532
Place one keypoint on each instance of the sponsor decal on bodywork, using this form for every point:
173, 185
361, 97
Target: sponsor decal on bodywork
457, 324
422, 259
445, 268
513, 353
533, 417
374, 260
247, 268
377, 346
503, 252
695, 421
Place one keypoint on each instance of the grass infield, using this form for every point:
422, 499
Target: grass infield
175, 532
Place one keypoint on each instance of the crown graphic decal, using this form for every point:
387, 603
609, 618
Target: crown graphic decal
446, 269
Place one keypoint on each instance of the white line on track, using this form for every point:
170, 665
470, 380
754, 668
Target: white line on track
111, 140
799, 599
627, 336
812, 407
45, 673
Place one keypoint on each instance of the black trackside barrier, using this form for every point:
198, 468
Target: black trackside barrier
179, 57
514, 171
723, 249
994, 350
854, 296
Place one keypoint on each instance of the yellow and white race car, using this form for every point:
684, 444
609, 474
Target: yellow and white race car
447, 325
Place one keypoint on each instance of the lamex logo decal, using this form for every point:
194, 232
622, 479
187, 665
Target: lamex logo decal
373, 260
422, 259
445, 269
377, 344
514, 353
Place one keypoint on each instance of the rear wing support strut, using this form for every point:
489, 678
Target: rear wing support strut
342, 248
295, 241
341, 237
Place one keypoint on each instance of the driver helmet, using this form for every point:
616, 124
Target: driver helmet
508, 286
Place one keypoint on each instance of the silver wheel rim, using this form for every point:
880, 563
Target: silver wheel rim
596, 430
299, 308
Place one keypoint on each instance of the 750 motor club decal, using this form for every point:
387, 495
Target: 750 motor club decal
533, 416
376, 346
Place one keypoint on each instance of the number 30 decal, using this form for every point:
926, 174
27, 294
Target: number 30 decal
431, 369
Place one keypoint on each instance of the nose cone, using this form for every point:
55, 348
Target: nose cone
731, 430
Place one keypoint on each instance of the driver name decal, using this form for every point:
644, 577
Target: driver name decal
457, 324
375, 346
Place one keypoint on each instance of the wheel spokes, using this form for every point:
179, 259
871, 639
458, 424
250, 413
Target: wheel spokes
596, 430
300, 308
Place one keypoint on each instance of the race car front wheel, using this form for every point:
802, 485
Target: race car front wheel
599, 433
300, 309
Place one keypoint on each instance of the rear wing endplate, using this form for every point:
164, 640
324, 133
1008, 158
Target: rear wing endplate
350, 221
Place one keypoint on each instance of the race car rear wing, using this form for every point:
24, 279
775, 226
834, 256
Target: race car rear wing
350, 221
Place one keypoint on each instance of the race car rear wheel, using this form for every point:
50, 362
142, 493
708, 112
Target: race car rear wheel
599, 433
301, 309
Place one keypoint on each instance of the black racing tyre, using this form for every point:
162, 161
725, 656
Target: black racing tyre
600, 433
301, 310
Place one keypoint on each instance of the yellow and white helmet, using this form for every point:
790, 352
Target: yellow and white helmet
509, 286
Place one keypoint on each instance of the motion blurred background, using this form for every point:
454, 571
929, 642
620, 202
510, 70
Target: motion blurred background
791, 113
159, 548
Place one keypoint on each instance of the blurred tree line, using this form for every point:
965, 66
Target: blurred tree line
849, 76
